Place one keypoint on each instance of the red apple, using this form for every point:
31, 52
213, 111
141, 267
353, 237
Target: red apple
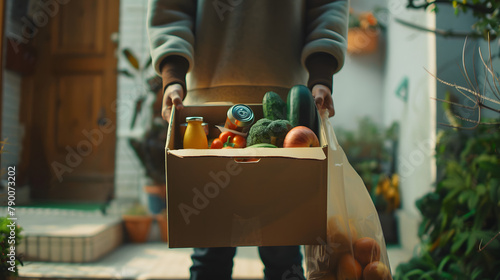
300, 136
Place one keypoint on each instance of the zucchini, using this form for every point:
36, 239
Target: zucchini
301, 109
274, 108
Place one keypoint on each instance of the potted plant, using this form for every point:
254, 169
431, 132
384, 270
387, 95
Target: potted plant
148, 129
150, 150
137, 223
364, 32
10, 237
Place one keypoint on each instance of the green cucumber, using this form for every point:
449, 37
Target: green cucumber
262, 145
273, 107
301, 108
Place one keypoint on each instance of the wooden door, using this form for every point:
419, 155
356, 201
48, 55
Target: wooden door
72, 94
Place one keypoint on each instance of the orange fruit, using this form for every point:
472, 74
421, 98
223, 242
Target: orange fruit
339, 242
349, 268
366, 250
340, 234
376, 271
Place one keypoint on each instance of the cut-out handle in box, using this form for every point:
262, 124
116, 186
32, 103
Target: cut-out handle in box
247, 160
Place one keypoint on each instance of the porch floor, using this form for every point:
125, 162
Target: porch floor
154, 260
150, 260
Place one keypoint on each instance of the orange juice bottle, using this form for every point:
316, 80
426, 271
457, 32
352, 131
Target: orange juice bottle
195, 137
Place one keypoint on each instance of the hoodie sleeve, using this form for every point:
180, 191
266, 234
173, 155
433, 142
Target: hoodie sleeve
170, 31
325, 39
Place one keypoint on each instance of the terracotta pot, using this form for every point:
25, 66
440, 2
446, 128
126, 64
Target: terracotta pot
163, 224
159, 190
137, 227
362, 41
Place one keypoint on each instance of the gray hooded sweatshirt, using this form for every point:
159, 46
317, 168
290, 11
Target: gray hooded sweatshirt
237, 50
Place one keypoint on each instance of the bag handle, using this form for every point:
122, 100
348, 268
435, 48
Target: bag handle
328, 130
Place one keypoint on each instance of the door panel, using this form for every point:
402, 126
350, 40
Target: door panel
73, 121
78, 30
74, 113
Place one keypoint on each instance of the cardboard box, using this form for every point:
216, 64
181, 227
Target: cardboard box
214, 200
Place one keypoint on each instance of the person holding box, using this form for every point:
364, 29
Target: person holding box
236, 51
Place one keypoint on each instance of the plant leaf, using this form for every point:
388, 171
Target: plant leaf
415, 272
476, 272
444, 221
473, 201
443, 263
131, 58
148, 63
471, 243
427, 275
459, 241
481, 189
125, 73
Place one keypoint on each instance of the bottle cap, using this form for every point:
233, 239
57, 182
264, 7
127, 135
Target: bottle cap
191, 119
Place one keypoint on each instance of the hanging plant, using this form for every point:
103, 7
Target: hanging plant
364, 33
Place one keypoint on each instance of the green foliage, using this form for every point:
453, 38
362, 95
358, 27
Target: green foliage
6, 243
461, 217
486, 12
371, 152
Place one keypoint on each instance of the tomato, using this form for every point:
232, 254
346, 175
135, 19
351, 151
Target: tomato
224, 135
216, 144
239, 141
228, 147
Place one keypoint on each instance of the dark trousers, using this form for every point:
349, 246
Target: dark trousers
280, 263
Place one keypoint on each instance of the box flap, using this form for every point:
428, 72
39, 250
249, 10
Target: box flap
315, 153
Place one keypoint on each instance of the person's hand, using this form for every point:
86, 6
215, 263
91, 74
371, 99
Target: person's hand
323, 98
172, 96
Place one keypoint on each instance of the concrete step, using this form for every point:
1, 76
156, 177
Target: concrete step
151, 260
66, 236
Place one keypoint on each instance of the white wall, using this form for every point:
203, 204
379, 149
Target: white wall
367, 86
410, 54
358, 88
11, 99
129, 173
11, 130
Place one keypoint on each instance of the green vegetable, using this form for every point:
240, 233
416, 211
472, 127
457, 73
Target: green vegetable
263, 145
273, 106
268, 131
301, 109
